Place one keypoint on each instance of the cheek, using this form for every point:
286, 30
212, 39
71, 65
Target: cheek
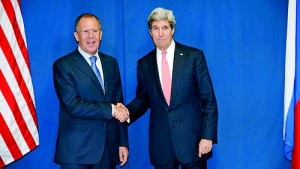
154, 35
99, 38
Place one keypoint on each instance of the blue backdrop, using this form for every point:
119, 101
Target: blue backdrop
244, 43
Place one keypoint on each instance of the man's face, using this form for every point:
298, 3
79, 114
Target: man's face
162, 34
88, 35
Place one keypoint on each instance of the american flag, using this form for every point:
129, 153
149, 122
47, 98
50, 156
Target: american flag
18, 121
292, 87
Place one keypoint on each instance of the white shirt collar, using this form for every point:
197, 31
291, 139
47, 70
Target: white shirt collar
86, 55
170, 49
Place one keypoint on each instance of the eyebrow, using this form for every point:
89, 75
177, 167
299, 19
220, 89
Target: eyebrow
162, 26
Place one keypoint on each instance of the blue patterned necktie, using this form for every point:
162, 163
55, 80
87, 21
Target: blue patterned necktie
96, 70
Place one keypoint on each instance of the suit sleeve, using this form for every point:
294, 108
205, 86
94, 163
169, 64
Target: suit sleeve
207, 99
119, 99
139, 105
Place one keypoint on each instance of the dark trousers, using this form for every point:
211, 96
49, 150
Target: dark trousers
195, 165
174, 164
105, 163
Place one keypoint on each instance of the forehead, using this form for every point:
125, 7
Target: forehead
88, 22
160, 23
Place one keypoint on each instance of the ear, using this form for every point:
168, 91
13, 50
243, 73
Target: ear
76, 36
100, 37
150, 32
173, 31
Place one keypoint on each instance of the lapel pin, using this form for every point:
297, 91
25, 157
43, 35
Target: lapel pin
181, 54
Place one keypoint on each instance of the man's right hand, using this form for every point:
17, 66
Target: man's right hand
120, 112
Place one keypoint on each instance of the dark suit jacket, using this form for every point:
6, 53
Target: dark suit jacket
85, 115
192, 114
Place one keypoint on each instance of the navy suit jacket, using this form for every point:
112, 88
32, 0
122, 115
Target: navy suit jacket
85, 115
192, 114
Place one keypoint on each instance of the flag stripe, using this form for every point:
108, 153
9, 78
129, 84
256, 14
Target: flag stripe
289, 60
1, 162
288, 128
12, 39
12, 15
8, 95
5, 153
11, 45
292, 81
9, 139
18, 121
296, 151
8, 54
4, 107
11, 123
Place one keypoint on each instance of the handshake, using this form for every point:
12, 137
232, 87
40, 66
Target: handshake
120, 112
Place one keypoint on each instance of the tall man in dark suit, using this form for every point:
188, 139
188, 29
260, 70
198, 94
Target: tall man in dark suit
174, 82
88, 85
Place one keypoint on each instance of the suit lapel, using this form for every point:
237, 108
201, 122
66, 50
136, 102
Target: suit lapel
81, 64
152, 64
178, 68
105, 69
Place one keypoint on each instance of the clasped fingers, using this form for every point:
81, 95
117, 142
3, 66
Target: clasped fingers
121, 112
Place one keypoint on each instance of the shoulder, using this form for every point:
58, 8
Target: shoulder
190, 53
67, 58
148, 56
179, 46
107, 57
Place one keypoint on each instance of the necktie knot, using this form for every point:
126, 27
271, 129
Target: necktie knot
93, 59
164, 53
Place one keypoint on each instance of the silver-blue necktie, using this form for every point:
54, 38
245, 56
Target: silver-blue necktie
96, 70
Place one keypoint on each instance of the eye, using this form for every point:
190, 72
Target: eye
155, 28
85, 31
165, 28
95, 30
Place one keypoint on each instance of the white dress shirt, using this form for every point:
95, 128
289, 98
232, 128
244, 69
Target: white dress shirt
98, 61
170, 59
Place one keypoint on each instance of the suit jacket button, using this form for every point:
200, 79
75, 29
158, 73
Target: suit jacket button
104, 125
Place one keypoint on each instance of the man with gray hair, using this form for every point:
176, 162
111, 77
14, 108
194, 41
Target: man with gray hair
174, 82
91, 132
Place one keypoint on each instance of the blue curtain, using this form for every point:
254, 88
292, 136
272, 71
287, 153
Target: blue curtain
244, 44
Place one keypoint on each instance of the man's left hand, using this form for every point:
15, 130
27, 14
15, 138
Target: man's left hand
205, 146
123, 155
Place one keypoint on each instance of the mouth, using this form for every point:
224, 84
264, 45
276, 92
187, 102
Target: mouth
91, 43
160, 40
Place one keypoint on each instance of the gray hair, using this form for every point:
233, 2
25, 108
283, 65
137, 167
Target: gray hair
86, 15
161, 14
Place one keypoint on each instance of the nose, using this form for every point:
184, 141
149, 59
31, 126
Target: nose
90, 33
160, 32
